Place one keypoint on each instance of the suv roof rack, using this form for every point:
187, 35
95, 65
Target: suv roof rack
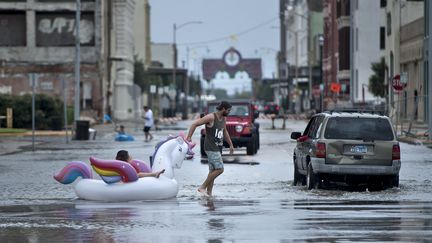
353, 110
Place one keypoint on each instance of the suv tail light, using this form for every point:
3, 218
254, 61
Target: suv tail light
396, 152
320, 151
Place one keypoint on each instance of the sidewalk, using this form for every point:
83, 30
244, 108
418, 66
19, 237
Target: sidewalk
418, 134
18, 142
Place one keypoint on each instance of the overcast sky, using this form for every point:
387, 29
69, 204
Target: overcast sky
221, 18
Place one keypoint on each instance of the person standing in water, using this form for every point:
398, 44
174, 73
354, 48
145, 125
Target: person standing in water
148, 123
216, 132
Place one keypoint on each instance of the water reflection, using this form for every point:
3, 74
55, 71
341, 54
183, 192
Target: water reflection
217, 224
364, 220
217, 220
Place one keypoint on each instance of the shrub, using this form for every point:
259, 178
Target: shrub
48, 111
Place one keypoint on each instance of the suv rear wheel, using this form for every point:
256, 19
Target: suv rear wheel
297, 176
395, 181
312, 179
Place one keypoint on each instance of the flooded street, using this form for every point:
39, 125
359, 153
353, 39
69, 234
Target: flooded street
254, 199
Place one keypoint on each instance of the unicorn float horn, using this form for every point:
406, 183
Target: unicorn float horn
72, 171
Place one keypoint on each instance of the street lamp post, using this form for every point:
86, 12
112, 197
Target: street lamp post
175, 28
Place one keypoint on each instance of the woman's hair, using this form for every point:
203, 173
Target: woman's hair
122, 155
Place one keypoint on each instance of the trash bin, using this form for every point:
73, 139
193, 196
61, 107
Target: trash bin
82, 130
56, 123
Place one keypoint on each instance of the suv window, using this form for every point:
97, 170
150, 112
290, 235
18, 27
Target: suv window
313, 129
358, 129
316, 127
236, 110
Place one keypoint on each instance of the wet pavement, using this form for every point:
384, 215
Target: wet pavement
254, 198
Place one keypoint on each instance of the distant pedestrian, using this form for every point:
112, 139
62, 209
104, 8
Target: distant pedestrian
148, 123
120, 130
216, 132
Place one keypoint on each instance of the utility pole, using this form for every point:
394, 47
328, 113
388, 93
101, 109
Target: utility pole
77, 62
351, 50
282, 65
428, 32
174, 71
297, 104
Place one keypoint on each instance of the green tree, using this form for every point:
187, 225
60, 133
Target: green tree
48, 111
139, 73
264, 91
220, 94
242, 95
377, 80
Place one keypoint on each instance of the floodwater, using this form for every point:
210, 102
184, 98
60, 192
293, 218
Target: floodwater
254, 199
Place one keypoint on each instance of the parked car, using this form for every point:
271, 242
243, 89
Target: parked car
241, 126
351, 147
271, 108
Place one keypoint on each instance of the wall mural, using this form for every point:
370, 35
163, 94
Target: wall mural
58, 29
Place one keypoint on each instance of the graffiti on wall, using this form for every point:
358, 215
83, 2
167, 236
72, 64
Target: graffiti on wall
58, 29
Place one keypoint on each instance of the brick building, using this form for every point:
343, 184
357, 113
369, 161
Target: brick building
39, 37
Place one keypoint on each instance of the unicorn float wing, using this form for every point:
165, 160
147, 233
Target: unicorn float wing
119, 179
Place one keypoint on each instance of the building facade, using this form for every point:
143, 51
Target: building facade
401, 58
343, 14
330, 49
39, 37
123, 59
304, 29
368, 45
142, 32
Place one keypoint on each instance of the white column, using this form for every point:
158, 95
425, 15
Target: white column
124, 40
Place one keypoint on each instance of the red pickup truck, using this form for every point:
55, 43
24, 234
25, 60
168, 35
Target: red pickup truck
241, 125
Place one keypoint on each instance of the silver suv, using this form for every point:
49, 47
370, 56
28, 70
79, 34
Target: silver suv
350, 147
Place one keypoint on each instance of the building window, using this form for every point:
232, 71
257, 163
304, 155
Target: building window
382, 38
383, 3
389, 24
13, 28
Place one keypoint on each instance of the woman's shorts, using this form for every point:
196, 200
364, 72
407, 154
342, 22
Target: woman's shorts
215, 161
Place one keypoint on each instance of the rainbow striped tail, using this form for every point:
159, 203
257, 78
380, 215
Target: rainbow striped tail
72, 171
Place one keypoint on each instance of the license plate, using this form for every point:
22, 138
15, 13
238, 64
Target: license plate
359, 149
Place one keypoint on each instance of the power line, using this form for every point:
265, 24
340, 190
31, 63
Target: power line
230, 36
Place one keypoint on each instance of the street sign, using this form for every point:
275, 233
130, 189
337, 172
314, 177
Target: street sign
397, 84
335, 87
404, 78
152, 89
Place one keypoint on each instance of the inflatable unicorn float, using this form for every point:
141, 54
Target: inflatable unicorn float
120, 181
